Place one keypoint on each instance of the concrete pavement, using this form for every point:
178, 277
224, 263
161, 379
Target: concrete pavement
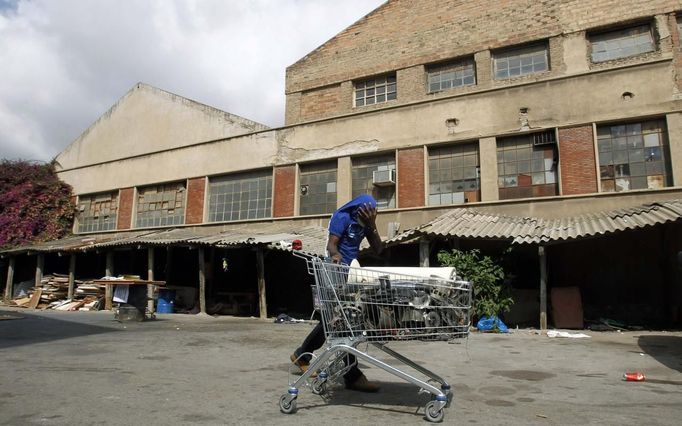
59, 368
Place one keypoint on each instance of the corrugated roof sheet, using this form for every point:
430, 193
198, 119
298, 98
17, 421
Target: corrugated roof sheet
276, 236
470, 223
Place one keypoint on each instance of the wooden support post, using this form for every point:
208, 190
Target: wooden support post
9, 286
543, 287
202, 281
169, 265
424, 251
109, 294
72, 275
40, 265
260, 266
150, 277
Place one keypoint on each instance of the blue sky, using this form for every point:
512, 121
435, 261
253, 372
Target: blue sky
65, 62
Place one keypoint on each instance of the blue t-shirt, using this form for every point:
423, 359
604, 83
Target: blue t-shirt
350, 235
345, 225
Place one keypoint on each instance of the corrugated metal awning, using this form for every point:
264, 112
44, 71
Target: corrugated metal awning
276, 236
470, 223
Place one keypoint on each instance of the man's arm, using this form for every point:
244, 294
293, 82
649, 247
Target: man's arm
333, 249
368, 215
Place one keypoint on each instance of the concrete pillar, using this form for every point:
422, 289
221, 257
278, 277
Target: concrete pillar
109, 289
260, 269
543, 287
9, 286
72, 275
424, 250
674, 124
344, 181
488, 161
202, 281
150, 277
40, 265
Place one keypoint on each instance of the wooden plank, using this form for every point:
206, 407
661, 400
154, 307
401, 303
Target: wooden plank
202, 281
23, 302
35, 298
260, 269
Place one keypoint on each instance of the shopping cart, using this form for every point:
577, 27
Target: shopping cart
372, 306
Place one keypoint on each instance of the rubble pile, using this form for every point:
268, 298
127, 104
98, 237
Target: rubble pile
53, 294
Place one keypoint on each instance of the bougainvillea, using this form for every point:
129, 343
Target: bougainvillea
34, 204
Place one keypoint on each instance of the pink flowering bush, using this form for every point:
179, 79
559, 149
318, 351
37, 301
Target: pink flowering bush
35, 205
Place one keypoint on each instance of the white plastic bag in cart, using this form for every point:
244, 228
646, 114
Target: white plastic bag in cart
358, 274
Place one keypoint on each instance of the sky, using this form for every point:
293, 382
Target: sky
63, 63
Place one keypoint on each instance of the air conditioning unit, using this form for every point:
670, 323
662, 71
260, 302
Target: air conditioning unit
383, 177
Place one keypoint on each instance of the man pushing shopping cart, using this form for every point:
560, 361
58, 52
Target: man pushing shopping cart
349, 225
375, 306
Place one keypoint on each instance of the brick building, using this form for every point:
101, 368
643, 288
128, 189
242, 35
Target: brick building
550, 110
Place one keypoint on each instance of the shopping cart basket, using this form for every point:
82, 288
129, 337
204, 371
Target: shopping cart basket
362, 305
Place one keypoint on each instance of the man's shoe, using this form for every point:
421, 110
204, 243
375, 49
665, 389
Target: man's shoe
361, 384
302, 364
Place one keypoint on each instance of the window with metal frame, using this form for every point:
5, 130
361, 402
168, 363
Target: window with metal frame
97, 212
633, 155
453, 174
526, 166
375, 176
375, 90
161, 205
519, 61
622, 43
317, 192
453, 74
240, 196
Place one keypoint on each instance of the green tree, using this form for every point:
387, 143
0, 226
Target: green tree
35, 205
491, 291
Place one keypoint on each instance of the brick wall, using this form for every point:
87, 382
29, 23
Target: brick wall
402, 34
576, 156
411, 177
318, 102
284, 191
125, 208
196, 190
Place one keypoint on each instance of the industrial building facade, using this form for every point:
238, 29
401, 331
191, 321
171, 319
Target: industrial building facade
520, 108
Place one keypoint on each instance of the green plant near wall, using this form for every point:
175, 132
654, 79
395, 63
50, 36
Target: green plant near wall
491, 291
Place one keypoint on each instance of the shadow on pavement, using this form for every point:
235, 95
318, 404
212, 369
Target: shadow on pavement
393, 397
28, 329
665, 349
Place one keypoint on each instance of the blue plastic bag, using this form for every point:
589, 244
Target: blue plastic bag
493, 323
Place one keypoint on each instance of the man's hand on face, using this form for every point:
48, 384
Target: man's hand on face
368, 216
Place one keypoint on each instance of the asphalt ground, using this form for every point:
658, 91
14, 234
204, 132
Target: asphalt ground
73, 368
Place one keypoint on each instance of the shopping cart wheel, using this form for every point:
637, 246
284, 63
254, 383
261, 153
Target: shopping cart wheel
319, 387
287, 408
433, 413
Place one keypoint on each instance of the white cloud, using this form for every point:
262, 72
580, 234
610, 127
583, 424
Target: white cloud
65, 63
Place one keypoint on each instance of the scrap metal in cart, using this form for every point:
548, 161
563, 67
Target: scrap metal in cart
378, 306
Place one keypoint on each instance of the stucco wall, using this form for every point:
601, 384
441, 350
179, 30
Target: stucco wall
147, 119
583, 99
